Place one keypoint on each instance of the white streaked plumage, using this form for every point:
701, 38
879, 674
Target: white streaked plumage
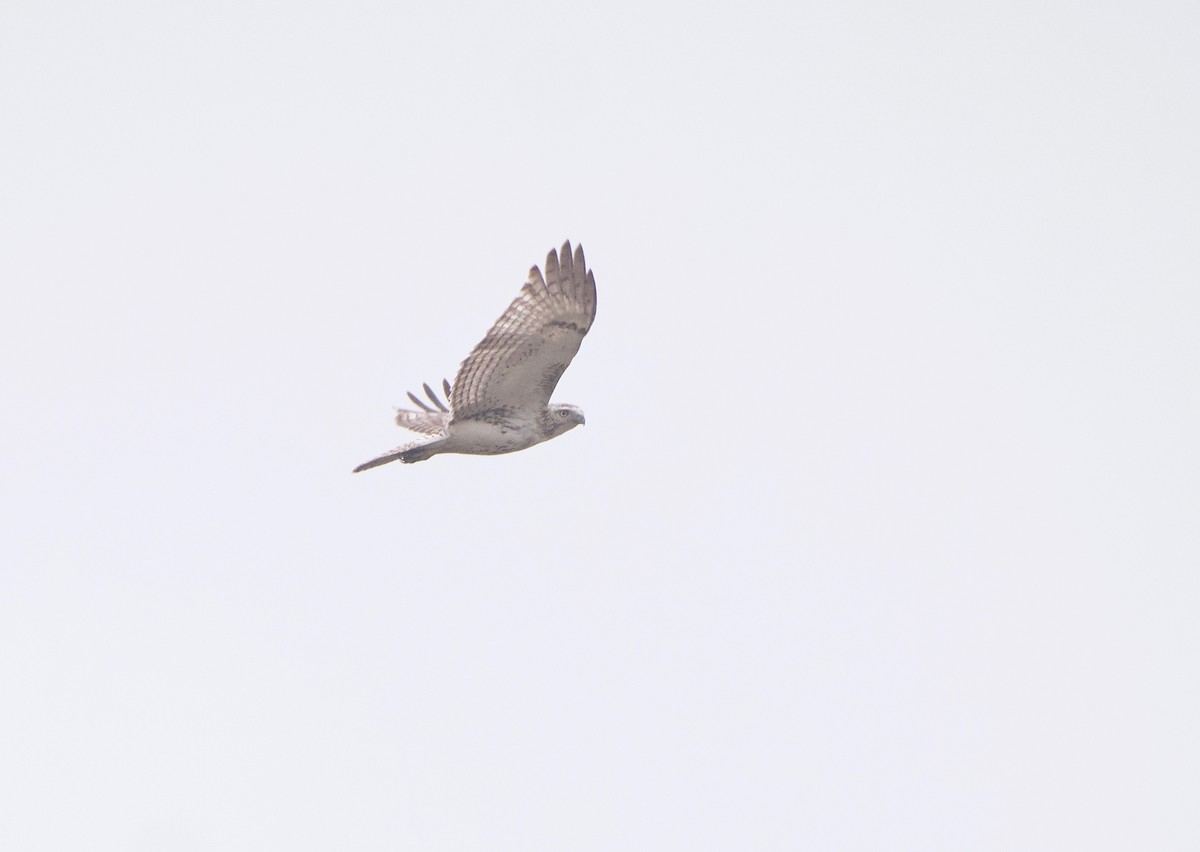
500, 400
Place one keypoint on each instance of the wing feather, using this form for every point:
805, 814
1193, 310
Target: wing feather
419, 403
519, 362
433, 396
425, 422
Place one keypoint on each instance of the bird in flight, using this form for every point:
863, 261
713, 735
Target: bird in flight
500, 400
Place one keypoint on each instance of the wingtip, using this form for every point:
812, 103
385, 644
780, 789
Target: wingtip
552, 269
535, 280
566, 261
418, 402
433, 397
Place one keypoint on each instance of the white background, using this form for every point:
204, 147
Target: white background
883, 529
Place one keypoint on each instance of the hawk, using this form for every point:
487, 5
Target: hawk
500, 400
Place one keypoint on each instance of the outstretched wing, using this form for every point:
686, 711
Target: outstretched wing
518, 364
427, 421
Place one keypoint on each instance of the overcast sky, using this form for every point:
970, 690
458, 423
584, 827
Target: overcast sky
882, 533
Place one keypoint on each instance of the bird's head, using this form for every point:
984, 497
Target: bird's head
563, 417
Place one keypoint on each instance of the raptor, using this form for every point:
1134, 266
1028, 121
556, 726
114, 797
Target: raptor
500, 399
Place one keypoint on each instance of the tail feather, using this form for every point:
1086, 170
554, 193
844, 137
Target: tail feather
409, 453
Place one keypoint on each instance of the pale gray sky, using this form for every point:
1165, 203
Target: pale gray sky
882, 531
